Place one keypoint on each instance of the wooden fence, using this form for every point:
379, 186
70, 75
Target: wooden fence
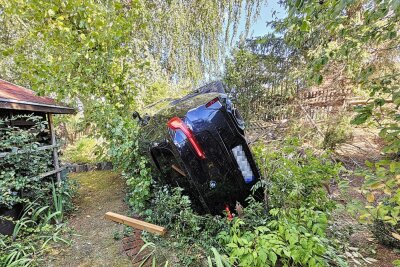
317, 105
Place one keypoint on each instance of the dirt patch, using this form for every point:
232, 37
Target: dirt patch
93, 243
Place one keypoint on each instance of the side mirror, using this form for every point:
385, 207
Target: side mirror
136, 115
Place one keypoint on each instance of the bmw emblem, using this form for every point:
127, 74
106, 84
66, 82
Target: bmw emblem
213, 184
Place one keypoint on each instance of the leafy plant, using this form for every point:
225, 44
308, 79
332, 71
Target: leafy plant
293, 237
20, 169
337, 131
191, 236
295, 177
32, 234
83, 150
21, 183
123, 136
57, 204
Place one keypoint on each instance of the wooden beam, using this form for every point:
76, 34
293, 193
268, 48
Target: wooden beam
40, 176
37, 108
138, 224
55, 150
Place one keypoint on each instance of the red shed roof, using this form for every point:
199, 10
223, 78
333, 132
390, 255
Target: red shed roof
16, 97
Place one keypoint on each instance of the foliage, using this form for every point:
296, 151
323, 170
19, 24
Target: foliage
191, 236
260, 75
123, 135
292, 230
217, 258
71, 128
20, 180
31, 237
294, 177
84, 150
293, 237
20, 169
336, 132
290, 226
21, 183
113, 51
356, 42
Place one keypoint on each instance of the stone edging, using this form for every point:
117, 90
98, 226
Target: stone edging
101, 166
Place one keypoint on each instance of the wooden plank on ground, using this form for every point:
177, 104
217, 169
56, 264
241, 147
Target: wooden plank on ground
138, 224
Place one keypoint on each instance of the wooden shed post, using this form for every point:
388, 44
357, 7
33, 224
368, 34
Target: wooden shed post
55, 148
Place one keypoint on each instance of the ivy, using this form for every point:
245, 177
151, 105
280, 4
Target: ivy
20, 169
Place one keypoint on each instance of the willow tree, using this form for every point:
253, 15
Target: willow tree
112, 51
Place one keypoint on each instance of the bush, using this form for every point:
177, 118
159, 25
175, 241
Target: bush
295, 177
337, 132
293, 237
191, 236
85, 150
289, 228
22, 185
19, 171
123, 148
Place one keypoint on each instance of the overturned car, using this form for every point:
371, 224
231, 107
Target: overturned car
198, 143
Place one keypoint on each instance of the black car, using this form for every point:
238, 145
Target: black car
198, 143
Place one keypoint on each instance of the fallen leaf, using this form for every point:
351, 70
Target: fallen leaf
395, 235
371, 259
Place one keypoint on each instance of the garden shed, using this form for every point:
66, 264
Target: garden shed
17, 104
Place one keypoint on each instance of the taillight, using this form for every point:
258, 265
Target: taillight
176, 123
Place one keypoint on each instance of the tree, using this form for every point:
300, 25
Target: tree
112, 51
263, 72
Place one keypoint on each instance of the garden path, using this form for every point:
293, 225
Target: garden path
93, 242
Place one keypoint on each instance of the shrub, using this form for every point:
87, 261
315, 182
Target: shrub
22, 185
293, 237
191, 236
337, 132
289, 228
85, 150
295, 177
19, 172
123, 135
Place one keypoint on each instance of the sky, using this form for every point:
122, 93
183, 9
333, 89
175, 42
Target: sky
259, 27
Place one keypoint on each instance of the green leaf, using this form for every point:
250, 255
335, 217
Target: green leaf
305, 26
273, 258
360, 118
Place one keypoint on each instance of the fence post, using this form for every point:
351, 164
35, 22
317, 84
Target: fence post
55, 150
